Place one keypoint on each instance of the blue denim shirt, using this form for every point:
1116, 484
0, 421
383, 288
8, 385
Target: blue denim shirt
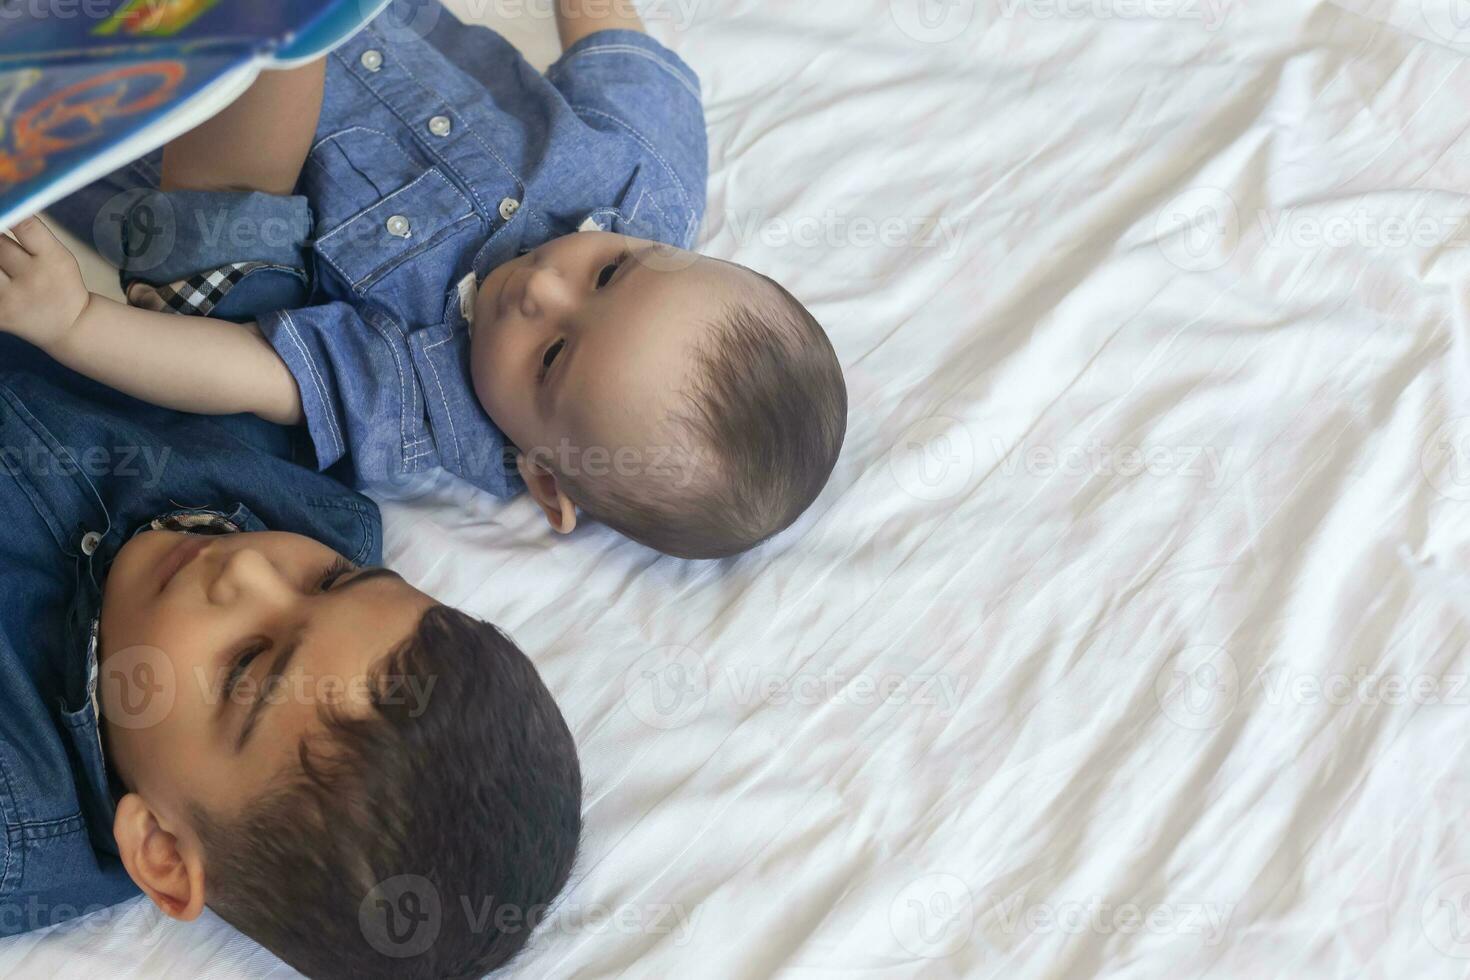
81, 468
441, 152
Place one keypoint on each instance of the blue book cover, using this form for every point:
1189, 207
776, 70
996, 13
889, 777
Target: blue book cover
87, 86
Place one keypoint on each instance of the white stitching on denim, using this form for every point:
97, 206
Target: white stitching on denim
626, 49
539, 221
485, 208
644, 141
384, 200
332, 138
339, 270
653, 201
447, 413
316, 380
386, 269
403, 389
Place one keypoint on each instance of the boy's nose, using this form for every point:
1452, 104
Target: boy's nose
247, 573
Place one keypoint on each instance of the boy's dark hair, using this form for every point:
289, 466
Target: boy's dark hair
765, 424
425, 838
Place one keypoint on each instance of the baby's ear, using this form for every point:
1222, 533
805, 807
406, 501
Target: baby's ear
168, 870
560, 512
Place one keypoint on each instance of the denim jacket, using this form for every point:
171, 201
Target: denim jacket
81, 468
441, 153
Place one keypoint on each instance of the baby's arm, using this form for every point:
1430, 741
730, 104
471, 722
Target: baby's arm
576, 19
192, 364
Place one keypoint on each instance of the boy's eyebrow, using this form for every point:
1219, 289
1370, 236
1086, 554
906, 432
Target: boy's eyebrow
278, 667
366, 575
283, 659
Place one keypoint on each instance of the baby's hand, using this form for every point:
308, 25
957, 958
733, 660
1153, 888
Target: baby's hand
41, 289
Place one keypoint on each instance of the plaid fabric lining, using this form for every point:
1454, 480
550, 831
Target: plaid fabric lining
197, 295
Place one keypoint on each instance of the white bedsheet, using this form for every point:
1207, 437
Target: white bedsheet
1152, 524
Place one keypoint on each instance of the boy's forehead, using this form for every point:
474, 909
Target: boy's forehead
367, 623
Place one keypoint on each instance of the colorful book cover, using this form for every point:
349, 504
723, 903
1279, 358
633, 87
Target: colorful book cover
87, 86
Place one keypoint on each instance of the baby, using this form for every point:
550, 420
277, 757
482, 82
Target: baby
432, 255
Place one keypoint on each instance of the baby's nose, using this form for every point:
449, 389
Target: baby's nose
547, 293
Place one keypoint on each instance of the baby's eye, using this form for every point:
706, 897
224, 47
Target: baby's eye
608, 271
552, 353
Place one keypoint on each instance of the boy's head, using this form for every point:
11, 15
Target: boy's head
365, 782
692, 404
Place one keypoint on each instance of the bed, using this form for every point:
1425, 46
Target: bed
1129, 639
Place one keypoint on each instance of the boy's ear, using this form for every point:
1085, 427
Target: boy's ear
560, 512
168, 871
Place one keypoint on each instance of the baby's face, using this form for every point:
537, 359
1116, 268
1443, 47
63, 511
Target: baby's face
583, 348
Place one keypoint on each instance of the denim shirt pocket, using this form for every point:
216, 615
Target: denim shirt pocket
42, 827
378, 208
404, 224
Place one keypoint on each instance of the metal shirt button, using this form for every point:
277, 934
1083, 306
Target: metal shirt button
91, 541
372, 60
399, 227
440, 125
509, 207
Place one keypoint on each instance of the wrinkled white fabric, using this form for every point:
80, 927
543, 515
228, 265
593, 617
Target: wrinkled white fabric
1130, 637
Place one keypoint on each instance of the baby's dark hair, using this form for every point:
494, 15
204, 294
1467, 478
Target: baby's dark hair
425, 837
764, 424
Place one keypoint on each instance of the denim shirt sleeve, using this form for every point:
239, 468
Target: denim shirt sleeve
160, 238
357, 393
626, 85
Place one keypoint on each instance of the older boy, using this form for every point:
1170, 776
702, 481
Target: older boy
209, 693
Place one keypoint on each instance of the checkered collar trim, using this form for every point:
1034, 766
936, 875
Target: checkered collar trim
198, 294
